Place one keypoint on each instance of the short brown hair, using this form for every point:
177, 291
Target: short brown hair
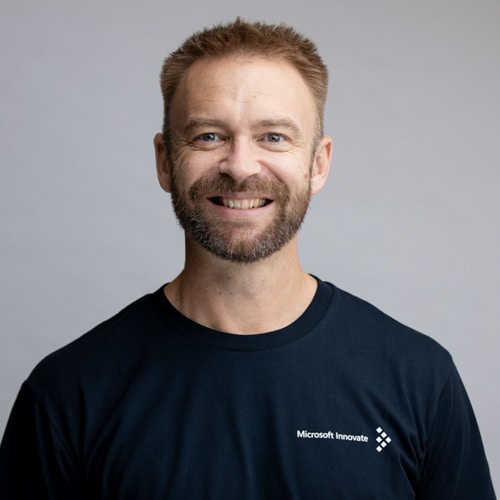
270, 41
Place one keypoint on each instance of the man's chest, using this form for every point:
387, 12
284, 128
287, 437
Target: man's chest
212, 433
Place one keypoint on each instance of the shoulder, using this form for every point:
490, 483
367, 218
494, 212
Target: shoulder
382, 340
96, 352
371, 322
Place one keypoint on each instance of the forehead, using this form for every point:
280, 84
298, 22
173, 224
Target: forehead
243, 85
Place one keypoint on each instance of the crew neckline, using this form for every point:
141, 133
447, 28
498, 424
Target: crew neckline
310, 318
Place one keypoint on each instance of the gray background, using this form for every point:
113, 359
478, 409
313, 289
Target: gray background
408, 220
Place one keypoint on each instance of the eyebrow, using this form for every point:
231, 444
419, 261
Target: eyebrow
197, 123
268, 123
280, 123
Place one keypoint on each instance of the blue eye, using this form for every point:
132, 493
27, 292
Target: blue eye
207, 137
208, 140
273, 137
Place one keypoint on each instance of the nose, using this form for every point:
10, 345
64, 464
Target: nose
240, 162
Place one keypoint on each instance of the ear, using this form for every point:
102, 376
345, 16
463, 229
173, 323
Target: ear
162, 165
321, 164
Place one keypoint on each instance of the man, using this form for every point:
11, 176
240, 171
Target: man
245, 377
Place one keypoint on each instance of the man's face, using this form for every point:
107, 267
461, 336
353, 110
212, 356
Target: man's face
241, 162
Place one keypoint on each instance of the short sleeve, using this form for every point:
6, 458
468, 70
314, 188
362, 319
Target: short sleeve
34, 462
455, 466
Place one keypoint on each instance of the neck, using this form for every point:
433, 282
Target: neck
242, 298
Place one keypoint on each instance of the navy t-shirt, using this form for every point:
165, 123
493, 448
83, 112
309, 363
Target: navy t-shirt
344, 403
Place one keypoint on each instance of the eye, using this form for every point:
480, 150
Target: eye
208, 140
275, 141
274, 137
207, 137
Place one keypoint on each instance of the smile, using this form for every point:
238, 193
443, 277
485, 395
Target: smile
241, 204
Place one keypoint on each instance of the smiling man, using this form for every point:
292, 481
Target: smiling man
245, 377
241, 158
245, 144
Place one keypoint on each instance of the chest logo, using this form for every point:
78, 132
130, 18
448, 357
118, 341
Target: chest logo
332, 435
382, 439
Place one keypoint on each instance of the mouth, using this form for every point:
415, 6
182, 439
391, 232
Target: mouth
240, 203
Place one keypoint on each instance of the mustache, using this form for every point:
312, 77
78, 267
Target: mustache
269, 188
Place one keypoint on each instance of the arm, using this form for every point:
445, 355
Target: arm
34, 461
455, 467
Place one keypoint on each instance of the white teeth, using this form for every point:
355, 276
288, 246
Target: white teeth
243, 204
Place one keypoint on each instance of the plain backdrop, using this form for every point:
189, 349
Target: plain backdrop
408, 219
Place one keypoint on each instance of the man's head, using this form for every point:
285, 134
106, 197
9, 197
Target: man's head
243, 152
240, 38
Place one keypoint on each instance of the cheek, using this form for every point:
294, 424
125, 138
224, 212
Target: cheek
295, 168
184, 172
195, 163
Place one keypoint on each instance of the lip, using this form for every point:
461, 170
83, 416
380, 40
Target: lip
243, 201
239, 203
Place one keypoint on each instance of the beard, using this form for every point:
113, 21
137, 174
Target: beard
236, 240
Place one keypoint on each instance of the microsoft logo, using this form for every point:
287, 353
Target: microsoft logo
382, 439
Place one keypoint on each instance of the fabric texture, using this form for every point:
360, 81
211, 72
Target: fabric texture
345, 403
